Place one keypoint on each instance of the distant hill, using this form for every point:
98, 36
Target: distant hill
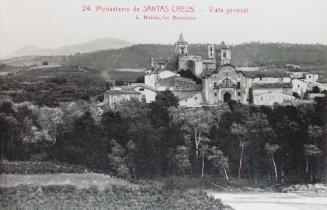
251, 54
98, 44
4, 68
35, 60
310, 57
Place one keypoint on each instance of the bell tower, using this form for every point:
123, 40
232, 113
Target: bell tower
181, 46
225, 54
211, 51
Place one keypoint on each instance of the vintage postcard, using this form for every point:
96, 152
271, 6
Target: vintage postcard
163, 104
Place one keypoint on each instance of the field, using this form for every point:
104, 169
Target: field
95, 191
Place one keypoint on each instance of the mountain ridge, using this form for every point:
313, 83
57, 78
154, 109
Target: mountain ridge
90, 46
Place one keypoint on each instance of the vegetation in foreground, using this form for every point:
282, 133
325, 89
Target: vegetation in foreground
115, 197
280, 144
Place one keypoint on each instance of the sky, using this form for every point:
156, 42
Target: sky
55, 23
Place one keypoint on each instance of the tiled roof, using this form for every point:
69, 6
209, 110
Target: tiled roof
118, 92
209, 72
176, 80
132, 86
277, 73
271, 85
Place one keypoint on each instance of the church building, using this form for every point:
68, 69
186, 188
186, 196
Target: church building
221, 81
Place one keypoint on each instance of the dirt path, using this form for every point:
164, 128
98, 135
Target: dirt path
273, 201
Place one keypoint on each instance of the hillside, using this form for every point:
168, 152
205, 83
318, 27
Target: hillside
310, 57
35, 60
110, 62
94, 45
251, 54
49, 85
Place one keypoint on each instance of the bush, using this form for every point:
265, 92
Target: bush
29, 167
116, 197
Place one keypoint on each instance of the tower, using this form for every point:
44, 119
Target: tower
225, 54
211, 51
181, 46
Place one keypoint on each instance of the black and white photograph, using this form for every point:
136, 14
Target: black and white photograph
163, 104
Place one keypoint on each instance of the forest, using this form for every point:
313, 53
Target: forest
280, 144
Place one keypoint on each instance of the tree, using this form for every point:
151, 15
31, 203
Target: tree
118, 160
259, 131
131, 156
6, 107
310, 152
49, 118
140, 79
183, 164
240, 132
315, 133
271, 149
159, 110
204, 149
11, 143
219, 160
195, 121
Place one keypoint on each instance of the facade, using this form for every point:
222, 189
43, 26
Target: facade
270, 98
148, 94
112, 97
271, 93
299, 86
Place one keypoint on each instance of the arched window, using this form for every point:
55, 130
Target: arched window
227, 83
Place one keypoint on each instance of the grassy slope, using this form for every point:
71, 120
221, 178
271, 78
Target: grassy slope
84, 180
89, 191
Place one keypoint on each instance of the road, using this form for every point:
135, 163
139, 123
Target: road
273, 201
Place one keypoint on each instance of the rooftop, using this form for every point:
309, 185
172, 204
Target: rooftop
132, 86
271, 85
176, 80
121, 92
276, 73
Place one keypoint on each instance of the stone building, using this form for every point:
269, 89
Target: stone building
222, 82
148, 94
112, 97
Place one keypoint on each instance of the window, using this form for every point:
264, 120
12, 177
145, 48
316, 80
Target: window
224, 55
261, 98
143, 98
239, 94
226, 83
215, 84
215, 94
298, 85
195, 98
238, 85
141, 89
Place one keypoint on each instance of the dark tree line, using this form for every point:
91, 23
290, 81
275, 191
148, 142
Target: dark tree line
276, 144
